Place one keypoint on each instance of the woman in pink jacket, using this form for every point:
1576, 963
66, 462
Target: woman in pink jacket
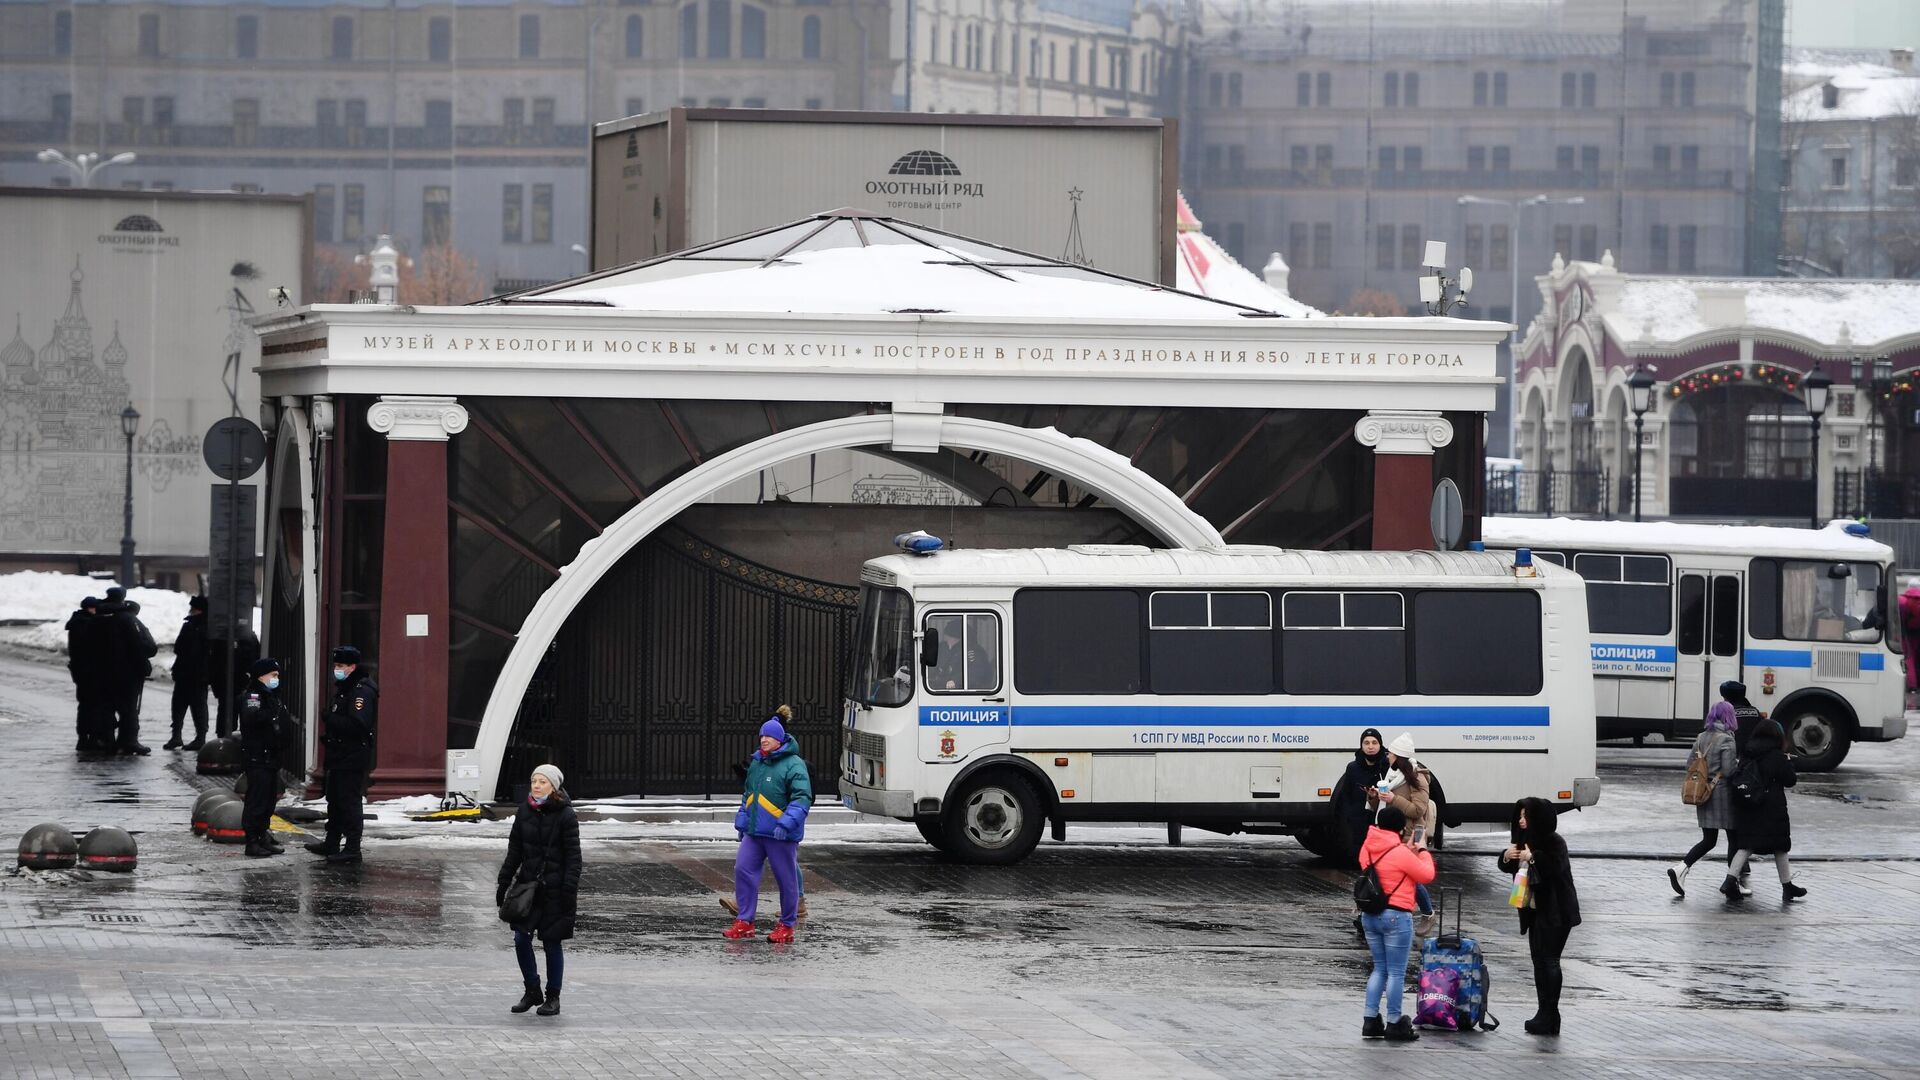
1400, 867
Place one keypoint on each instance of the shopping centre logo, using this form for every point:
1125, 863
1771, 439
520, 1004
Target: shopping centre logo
926, 175
138, 234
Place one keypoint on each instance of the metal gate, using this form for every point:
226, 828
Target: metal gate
660, 680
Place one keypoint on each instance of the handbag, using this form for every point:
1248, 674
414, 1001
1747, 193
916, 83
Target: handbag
1521, 895
518, 907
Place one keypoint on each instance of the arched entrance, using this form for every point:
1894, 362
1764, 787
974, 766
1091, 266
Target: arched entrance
1088, 464
1741, 450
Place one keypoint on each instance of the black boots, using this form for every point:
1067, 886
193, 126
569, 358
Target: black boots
529, 998
270, 841
552, 1007
173, 743
1372, 1027
1730, 888
347, 855
1544, 1024
323, 848
257, 848
1401, 1030
199, 740
1789, 892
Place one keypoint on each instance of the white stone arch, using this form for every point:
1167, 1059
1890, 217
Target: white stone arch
1086, 463
1536, 442
1576, 359
293, 445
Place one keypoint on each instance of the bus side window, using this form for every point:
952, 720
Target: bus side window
1451, 632
1763, 599
1557, 558
967, 659
1627, 594
1210, 643
1077, 641
1343, 643
1692, 638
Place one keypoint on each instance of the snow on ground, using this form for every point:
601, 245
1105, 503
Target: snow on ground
1668, 309
49, 598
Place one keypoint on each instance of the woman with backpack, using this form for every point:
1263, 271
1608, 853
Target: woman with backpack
1397, 868
1713, 756
1552, 906
1760, 821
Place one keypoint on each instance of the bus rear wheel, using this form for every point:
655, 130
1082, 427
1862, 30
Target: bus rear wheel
1326, 841
994, 821
1817, 739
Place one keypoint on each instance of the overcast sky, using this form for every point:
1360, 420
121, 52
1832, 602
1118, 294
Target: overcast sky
1862, 23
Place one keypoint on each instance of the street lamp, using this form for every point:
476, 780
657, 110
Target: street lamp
129, 423
1639, 399
84, 166
1875, 376
1514, 206
1816, 384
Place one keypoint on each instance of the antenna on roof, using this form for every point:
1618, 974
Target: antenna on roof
1074, 252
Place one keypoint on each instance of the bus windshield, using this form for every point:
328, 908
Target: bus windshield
882, 670
1828, 601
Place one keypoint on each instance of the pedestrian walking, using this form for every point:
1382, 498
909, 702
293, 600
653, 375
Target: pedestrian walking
351, 724
543, 849
1401, 867
130, 661
771, 822
1408, 787
190, 676
1745, 716
1910, 637
800, 878
1761, 824
87, 663
264, 722
1551, 908
1714, 748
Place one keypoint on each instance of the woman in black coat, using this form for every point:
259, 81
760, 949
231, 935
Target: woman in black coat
1552, 910
543, 847
1350, 809
1762, 825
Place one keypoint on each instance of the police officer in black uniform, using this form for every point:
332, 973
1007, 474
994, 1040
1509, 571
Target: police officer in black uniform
348, 737
190, 676
264, 721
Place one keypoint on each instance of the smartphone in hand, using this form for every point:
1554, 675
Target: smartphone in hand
1419, 835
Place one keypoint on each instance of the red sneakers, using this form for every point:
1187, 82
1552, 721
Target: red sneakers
741, 928
782, 935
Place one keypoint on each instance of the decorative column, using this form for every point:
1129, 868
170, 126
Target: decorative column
414, 576
1403, 445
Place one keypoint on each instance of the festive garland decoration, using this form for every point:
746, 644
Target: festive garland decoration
1769, 375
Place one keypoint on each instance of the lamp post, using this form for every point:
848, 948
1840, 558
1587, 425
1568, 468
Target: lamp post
1816, 385
1514, 206
1874, 375
84, 166
1639, 399
129, 423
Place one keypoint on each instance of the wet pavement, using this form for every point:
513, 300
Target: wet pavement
1112, 955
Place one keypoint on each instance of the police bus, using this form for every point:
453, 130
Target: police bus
1805, 618
990, 691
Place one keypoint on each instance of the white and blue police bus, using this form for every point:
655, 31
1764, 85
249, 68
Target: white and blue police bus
1805, 618
992, 691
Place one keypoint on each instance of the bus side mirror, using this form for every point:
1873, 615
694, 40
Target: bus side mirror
929, 649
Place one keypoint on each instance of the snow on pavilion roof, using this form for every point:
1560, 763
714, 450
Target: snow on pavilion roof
849, 262
1204, 267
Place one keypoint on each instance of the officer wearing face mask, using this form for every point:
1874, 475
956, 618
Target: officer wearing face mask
263, 721
350, 726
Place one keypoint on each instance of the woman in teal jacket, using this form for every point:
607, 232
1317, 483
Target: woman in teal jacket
771, 821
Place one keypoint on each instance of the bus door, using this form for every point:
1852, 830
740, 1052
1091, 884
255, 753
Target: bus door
963, 682
1708, 640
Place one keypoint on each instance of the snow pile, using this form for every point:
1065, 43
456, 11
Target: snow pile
49, 598
1204, 267
1667, 310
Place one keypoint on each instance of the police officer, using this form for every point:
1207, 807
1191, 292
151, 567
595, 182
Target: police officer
349, 733
263, 721
190, 676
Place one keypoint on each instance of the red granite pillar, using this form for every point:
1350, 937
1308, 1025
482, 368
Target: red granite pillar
1403, 445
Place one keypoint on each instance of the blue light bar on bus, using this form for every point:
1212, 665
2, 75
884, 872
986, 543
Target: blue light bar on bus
1523, 557
918, 542
1858, 528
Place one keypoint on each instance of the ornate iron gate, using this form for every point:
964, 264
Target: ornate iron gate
661, 678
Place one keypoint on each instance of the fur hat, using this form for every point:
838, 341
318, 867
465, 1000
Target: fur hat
346, 654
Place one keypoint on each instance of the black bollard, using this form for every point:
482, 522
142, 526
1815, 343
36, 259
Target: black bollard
110, 849
224, 823
48, 847
205, 803
219, 757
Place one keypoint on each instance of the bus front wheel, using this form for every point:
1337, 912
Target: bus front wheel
1326, 841
995, 821
1817, 739
931, 832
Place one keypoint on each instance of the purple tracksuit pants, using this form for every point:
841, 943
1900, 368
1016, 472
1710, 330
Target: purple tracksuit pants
784, 855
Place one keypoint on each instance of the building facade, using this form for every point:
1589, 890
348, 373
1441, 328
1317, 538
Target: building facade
1851, 165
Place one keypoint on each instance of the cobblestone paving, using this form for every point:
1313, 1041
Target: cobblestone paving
1093, 960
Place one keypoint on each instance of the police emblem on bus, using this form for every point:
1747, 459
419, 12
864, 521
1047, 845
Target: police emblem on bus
946, 744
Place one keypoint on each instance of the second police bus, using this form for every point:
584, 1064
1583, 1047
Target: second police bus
1806, 618
993, 691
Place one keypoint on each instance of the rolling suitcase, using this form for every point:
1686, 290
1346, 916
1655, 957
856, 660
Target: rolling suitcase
1455, 984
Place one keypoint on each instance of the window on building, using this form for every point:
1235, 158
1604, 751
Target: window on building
1323, 246
1502, 159
342, 37
815, 103
1563, 241
719, 103
1077, 641
1410, 249
1786, 170
63, 33
1667, 83
1906, 170
1689, 249
1590, 243
513, 200
1410, 89
1663, 158
1033, 58
246, 121
753, 103
61, 113
1233, 90
1298, 158
1073, 63
243, 187
1690, 159
1237, 240
1389, 159
1383, 247
356, 121
1686, 89
1590, 161
1323, 161
1499, 88
161, 185
323, 213
1563, 159
1343, 643
353, 212
246, 36
1476, 159
1303, 89
513, 115
1837, 170
1569, 89
1829, 96
690, 31
636, 37
1323, 89
149, 35
529, 37
1390, 92
1498, 251
133, 112
1627, 594
1053, 60
163, 112
1298, 253
1215, 160
753, 32
540, 229
439, 122
436, 215
1480, 88
1236, 161
440, 39
1412, 158
1448, 662
1476, 246
1660, 260
636, 106
326, 117
810, 38
1589, 90
543, 112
